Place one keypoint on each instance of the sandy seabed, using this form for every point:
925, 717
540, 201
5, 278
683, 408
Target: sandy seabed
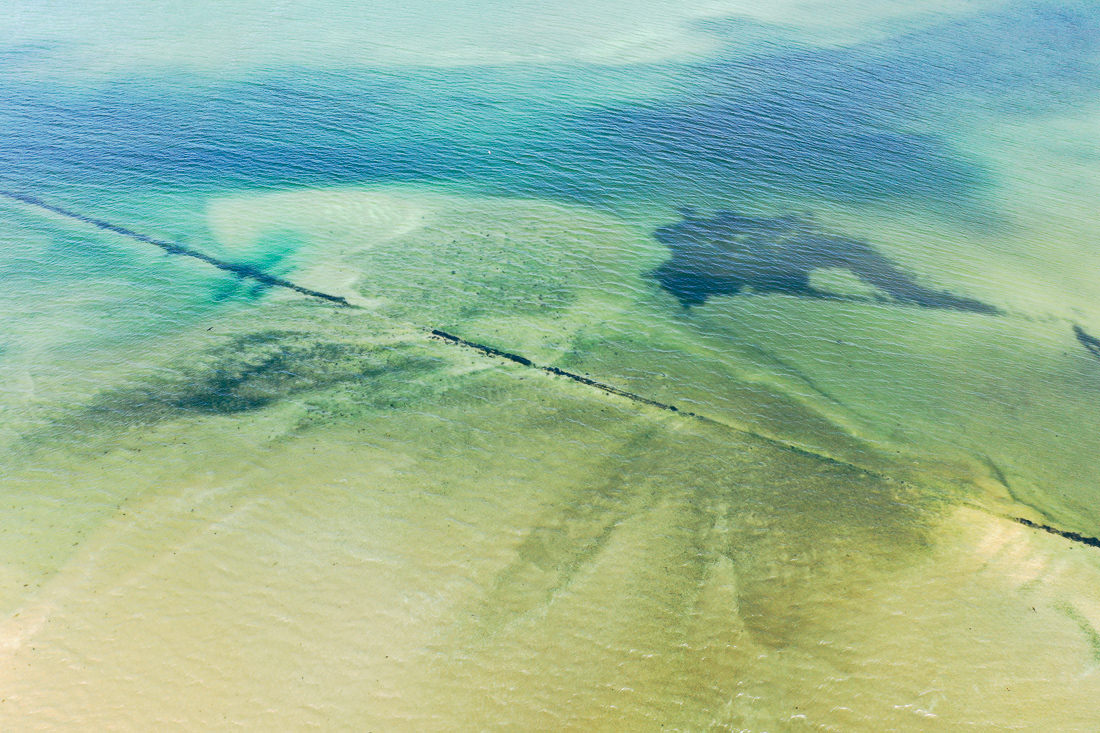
315, 516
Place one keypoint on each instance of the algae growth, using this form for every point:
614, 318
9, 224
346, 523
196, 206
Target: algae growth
729, 253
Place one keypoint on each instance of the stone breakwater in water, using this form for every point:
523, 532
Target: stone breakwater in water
239, 269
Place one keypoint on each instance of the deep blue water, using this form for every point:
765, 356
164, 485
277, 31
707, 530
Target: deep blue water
876, 121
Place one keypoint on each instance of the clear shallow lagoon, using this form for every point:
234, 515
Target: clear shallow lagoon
232, 505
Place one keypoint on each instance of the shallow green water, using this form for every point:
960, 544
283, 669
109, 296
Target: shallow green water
231, 504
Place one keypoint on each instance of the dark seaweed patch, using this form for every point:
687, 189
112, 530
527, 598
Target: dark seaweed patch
249, 373
1087, 340
269, 373
730, 252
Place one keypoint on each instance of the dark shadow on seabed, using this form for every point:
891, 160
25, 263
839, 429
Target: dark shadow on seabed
730, 252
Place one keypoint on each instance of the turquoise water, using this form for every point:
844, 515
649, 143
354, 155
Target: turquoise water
854, 247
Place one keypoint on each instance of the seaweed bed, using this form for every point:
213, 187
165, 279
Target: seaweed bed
730, 252
252, 371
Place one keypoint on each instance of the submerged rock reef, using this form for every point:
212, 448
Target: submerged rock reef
729, 252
